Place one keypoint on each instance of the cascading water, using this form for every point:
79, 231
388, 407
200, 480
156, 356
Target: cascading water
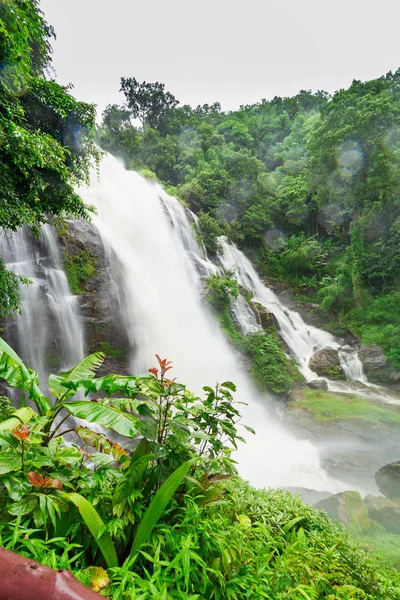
302, 339
48, 334
154, 241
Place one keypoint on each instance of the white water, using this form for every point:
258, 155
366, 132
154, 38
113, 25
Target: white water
302, 339
49, 332
152, 236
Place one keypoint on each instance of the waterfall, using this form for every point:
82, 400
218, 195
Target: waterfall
162, 264
48, 334
302, 339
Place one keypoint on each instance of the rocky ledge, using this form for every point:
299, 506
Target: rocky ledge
94, 274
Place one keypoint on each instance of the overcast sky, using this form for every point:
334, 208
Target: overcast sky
234, 52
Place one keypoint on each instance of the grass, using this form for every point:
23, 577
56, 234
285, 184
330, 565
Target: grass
385, 545
330, 407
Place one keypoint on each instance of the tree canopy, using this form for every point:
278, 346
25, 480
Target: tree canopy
47, 137
292, 180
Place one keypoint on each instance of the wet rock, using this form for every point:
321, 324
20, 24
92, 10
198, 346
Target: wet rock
101, 305
388, 480
352, 463
318, 384
348, 508
326, 363
346, 348
264, 316
376, 366
384, 511
308, 495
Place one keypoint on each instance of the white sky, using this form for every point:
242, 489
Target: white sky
222, 50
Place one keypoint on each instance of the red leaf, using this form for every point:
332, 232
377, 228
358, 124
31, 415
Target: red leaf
53, 483
39, 481
159, 359
154, 371
167, 369
21, 432
36, 479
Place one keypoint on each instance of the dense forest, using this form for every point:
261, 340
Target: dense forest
149, 504
308, 185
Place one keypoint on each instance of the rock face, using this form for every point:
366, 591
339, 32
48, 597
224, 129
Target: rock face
376, 366
101, 304
326, 363
309, 496
388, 480
264, 316
384, 511
348, 508
318, 384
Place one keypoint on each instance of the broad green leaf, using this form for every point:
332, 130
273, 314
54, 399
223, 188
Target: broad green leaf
22, 415
107, 416
17, 375
229, 385
291, 524
84, 370
24, 507
9, 463
95, 525
157, 507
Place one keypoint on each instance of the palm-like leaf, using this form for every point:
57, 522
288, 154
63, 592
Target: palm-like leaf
96, 527
100, 442
84, 370
22, 415
17, 375
106, 416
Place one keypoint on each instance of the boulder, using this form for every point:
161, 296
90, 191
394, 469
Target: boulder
376, 365
318, 384
384, 511
326, 362
309, 496
348, 508
264, 316
388, 480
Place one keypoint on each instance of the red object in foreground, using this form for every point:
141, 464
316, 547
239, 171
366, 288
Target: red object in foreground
24, 579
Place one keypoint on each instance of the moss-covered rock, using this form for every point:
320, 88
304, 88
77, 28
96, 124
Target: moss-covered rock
93, 275
388, 480
326, 363
384, 511
348, 508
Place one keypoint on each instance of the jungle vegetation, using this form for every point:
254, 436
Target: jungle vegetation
309, 186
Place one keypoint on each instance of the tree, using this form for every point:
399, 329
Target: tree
149, 102
47, 137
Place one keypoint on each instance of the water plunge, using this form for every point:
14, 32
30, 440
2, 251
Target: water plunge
161, 261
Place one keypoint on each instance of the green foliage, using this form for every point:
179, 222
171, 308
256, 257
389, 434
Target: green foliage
209, 232
109, 350
79, 268
378, 322
220, 289
47, 137
309, 184
270, 367
96, 527
9, 291
171, 513
328, 407
148, 102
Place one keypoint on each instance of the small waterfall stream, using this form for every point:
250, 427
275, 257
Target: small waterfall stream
48, 334
302, 339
